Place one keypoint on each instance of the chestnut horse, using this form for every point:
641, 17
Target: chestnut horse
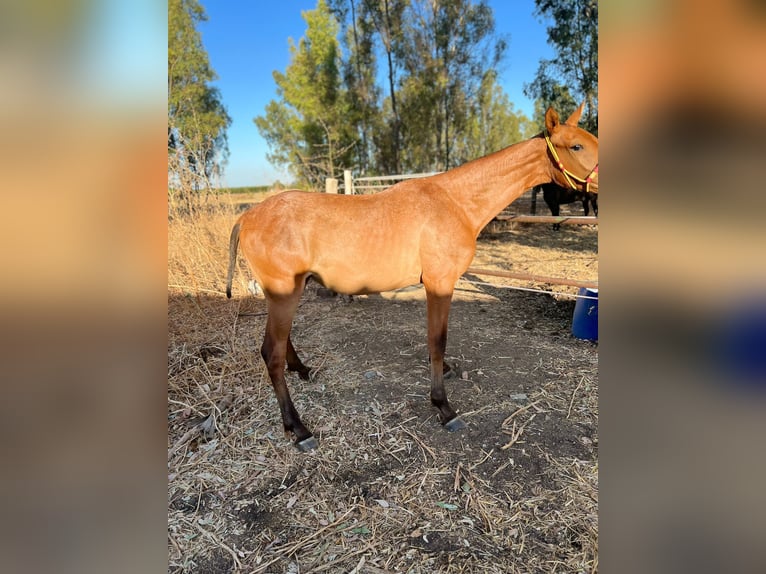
417, 231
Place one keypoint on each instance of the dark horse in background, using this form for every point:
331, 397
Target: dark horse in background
555, 195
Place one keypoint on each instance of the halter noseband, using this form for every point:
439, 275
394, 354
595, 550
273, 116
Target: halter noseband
568, 174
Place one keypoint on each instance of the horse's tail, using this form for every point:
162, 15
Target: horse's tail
233, 245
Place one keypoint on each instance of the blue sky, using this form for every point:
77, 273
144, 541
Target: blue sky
247, 40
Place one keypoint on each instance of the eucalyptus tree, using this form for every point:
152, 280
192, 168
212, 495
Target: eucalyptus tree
493, 123
307, 127
197, 118
449, 47
572, 76
359, 76
390, 86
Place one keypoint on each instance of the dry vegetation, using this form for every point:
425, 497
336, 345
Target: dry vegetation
388, 490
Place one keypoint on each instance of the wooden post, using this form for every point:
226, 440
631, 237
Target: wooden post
331, 185
348, 182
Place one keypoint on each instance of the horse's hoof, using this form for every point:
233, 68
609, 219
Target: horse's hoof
455, 424
307, 444
305, 374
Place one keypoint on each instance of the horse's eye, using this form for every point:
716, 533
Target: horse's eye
576, 147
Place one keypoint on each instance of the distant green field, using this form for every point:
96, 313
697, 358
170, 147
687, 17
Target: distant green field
247, 189
246, 195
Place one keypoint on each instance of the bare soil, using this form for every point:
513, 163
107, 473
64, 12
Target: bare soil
389, 490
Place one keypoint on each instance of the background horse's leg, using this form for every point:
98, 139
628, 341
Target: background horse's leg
274, 353
294, 362
438, 318
555, 210
447, 369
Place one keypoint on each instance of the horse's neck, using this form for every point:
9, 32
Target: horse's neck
483, 187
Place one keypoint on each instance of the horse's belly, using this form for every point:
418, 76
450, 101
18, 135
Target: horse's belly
366, 287
358, 279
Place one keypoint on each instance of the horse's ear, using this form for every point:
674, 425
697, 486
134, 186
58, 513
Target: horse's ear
551, 119
574, 119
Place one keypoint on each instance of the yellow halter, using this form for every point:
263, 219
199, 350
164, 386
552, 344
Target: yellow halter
568, 174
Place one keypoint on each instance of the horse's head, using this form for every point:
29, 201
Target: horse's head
573, 152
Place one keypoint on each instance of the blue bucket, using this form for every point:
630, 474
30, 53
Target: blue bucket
585, 318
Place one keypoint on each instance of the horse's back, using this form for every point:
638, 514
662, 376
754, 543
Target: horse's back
352, 244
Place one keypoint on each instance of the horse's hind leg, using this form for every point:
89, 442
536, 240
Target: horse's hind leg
274, 353
294, 362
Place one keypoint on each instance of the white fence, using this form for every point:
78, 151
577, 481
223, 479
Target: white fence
526, 204
362, 185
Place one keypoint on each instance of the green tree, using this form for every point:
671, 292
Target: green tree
197, 119
493, 124
572, 76
434, 54
556, 96
359, 76
448, 49
307, 128
388, 17
434, 104
376, 28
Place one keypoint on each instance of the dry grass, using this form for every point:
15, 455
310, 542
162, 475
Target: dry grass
388, 490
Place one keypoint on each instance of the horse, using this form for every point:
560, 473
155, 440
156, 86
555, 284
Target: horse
555, 196
419, 231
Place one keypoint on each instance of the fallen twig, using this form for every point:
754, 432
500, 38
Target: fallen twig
571, 402
519, 411
516, 434
206, 426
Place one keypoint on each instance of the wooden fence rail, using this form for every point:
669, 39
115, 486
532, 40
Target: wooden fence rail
533, 277
565, 219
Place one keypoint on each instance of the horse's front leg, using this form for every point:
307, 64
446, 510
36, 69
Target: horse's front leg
438, 307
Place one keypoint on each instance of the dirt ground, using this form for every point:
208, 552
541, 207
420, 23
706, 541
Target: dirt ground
389, 490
